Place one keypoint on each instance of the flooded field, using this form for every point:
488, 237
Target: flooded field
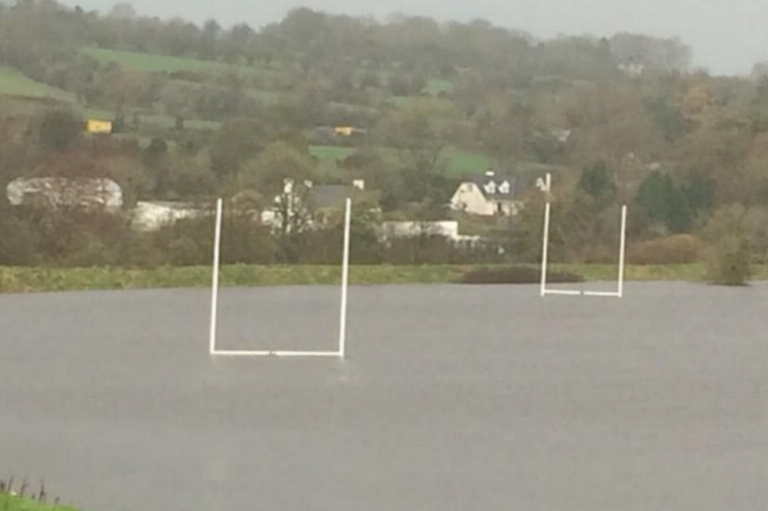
451, 398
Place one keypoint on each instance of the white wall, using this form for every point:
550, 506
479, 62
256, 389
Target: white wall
153, 216
448, 229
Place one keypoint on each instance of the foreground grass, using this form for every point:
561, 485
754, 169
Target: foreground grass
10, 503
28, 280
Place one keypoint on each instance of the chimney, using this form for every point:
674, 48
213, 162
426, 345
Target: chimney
359, 184
489, 173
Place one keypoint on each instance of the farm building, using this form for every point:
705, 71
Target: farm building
97, 126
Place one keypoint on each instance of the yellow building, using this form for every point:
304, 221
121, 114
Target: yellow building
344, 131
96, 126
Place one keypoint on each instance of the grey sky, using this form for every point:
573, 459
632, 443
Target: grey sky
727, 36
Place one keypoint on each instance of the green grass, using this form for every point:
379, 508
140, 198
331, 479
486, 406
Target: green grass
437, 86
428, 105
263, 96
326, 153
465, 163
26, 280
155, 63
10, 503
14, 83
97, 113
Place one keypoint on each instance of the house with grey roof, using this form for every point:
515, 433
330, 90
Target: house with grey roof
488, 195
324, 197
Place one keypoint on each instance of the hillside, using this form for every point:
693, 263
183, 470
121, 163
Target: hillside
412, 106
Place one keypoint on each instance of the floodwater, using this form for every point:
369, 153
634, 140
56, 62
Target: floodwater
451, 398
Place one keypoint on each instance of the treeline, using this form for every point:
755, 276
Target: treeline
71, 237
307, 39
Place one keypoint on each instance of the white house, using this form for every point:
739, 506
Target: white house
487, 195
58, 192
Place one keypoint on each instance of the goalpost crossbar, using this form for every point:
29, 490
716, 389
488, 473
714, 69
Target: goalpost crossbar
279, 354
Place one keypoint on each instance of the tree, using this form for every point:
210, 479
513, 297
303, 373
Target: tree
651, 53
17, 240
667, 118
419, 143
236, 142
663, 202
156, 159
283, 176
58, 129
508, 136
209, 39
122, 11
598, 183
276, 163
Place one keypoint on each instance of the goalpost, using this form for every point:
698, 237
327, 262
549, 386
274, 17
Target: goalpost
340, 353
619, 293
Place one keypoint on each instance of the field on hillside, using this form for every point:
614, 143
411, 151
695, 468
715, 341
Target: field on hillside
154, 63
14, 83
152, 120
437, 86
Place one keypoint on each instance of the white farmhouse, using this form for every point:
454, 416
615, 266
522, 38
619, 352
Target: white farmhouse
487, 195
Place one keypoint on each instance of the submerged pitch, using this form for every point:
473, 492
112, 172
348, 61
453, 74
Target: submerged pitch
450, 398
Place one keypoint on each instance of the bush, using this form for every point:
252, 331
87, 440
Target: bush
599, 254
679, 249
58, 129
185, 251
17, 242
515, 275
728, 262
732, 235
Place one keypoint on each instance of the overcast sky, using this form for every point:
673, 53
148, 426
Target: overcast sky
728, 36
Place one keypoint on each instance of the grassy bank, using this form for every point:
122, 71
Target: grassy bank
26, 280
13, 503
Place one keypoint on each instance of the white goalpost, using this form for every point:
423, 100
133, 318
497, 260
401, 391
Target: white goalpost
619, 293
340, 353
